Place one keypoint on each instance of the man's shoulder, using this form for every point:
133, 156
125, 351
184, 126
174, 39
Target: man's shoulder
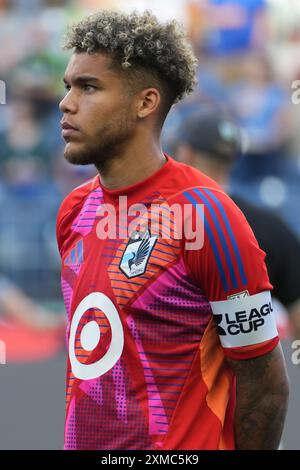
75, 198
186, 179
70, 208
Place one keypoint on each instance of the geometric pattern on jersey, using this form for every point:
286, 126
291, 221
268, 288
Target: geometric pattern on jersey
170, 313
85, 220
165, 317
164, 254
122, 429
68, 280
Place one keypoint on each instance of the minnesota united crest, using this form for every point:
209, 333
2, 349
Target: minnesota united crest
137, 253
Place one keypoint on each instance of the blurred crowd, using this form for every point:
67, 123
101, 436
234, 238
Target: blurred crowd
248, 54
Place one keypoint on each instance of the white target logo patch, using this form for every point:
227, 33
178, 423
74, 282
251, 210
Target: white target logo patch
88, 337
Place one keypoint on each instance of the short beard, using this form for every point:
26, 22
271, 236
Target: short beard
105, 146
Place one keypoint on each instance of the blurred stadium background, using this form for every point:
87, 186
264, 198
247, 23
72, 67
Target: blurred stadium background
249, 57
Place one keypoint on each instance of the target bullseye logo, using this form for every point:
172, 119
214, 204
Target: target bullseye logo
90, 337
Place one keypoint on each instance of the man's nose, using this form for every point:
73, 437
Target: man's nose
68, 104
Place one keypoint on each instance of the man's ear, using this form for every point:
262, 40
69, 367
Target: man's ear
148, 101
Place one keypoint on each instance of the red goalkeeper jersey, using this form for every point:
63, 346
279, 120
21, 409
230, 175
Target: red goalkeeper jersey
161, 281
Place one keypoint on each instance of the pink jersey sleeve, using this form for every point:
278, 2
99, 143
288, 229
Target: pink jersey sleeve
231, 270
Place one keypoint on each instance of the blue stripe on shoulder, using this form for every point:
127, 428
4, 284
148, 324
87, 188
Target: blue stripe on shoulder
231, 236
211, 237
221, 236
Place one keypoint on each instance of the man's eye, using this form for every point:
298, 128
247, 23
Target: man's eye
88, 87
67, 87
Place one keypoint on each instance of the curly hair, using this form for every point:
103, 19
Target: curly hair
141, 47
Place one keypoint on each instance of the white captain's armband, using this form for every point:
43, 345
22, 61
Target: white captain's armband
245, 321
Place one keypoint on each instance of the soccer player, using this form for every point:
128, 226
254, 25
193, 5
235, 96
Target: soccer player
172, 342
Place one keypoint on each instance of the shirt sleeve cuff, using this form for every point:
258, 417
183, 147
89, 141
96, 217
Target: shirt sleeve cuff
249, 352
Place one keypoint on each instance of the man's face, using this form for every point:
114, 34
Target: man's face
98, 116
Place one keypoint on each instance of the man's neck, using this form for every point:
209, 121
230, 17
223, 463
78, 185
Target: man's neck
132, 166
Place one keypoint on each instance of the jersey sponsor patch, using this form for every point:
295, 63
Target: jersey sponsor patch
245, 321
87, 337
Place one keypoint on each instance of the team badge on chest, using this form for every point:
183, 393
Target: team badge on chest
137, 253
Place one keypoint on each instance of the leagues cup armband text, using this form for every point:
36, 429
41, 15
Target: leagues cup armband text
245, 321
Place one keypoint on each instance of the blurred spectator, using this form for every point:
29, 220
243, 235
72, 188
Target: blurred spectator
28, 204
209, 140
30, 130
262, 109
226, 27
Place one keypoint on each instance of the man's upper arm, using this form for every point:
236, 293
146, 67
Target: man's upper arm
232, 272
267, 371
262, 398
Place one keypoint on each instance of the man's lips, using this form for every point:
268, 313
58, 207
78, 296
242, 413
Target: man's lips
67, 129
